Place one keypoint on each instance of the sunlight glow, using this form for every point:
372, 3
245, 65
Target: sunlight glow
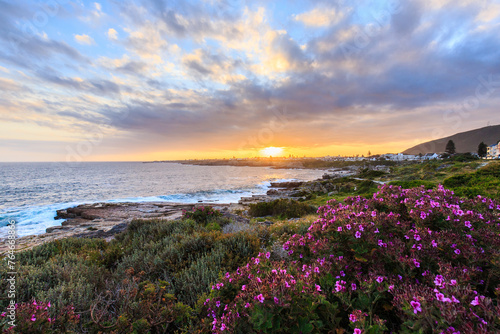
271, 151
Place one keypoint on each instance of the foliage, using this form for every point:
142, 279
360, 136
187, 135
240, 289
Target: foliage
370, 174
482, 150
284, 208
404, 261
484, 182
35, 317
180, 259
413, 184
202, 214
450, 147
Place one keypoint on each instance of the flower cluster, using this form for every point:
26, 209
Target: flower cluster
35, 317
406, 259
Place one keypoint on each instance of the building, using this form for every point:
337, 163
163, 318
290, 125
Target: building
431, 156
494, 151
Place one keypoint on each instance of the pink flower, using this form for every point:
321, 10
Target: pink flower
457, 251
380, 279
268, 255
475, 302
358, 234
352, 318
357, 331
260, 298
339, 286
276, 300
453, 282
434, 243
257, 260
468, 224
353, 286
222, 327
33, 318
416, 306
339, 228
391, 287
374, 213
348, 226
318, 288
247, 305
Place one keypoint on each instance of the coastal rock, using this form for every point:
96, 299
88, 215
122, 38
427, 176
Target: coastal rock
287, 185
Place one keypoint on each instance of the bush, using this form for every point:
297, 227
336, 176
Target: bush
413, 184
202, 214
35, 317
284, 208
403, 261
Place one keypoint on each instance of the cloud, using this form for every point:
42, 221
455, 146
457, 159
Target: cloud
112, 34
319, 17
84, 39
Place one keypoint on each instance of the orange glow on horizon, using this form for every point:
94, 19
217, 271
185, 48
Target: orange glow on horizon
271, 151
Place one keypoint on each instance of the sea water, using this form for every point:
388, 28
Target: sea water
31, 193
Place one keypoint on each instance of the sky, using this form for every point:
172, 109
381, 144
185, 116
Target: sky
164, 79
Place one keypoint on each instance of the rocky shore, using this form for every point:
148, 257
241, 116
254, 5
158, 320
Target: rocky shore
104, 220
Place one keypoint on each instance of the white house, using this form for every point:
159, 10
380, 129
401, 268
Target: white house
494, 151
399, 156
431, 156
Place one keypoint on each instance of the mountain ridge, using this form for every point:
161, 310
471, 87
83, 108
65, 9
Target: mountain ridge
467, 141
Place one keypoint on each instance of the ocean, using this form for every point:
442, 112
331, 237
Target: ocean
32, 192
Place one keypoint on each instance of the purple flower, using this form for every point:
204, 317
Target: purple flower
276, 300
475, 302
260, 298
416, 306
380, 279
243, 287
434, 243
358, 234
352, 318
223, 327
353, 286
468, 224
457, 251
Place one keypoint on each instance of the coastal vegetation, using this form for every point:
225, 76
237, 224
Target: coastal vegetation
411, 256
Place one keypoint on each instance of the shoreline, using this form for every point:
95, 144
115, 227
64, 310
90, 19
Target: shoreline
104, 220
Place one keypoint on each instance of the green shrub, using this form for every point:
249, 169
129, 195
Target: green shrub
284, 208
414, 184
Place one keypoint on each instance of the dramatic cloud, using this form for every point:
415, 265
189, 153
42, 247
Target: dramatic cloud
224, 78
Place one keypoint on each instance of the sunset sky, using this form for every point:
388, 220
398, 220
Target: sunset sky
154, 79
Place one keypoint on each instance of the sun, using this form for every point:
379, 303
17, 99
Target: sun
271, 151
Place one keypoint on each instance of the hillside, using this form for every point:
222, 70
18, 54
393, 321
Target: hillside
464, 141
